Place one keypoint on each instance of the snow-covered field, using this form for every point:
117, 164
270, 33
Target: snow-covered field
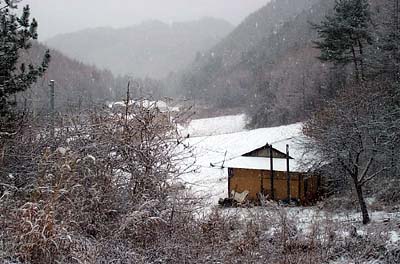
215, 126
220, 139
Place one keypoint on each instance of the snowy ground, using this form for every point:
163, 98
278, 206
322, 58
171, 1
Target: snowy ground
216, 141
220, 139
215, 126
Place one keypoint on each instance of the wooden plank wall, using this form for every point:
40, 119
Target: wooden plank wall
250, 180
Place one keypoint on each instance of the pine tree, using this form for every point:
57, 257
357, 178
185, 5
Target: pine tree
386, 66
261, 110
387, 50
16, 35
345, 34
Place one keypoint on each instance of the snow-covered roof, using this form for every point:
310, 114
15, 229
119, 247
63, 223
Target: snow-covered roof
161, 105
261, 163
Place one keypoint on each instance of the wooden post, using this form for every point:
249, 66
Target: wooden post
288, 174
299, 191
223, 163
230, 175
128, 100
271, 157
262, 192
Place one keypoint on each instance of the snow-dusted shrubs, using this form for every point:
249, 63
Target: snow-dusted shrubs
101, 192
106, 178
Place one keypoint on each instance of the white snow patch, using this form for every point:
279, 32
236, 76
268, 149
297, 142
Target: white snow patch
394, 237
161, 105
63, 151
221, 145
370, 200
215, 126
257, 163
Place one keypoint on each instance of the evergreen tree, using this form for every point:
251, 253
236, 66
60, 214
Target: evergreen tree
386, 66
16, 34
387, 50
262, 106
344, 35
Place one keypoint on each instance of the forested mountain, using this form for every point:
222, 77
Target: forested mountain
150, 49
140, 184
77, 84
268, 64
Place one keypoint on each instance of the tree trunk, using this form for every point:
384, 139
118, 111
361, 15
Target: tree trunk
360, 46
357, 72
361, 201
396, 39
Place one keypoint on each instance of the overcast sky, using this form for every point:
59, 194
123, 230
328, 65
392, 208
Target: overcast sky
62, 16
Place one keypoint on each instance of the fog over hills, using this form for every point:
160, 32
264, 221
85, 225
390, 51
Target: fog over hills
152, 48
267, 65
65, 16
77, 84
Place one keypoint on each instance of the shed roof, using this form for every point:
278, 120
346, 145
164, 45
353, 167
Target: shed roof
161, 105
259, 163
267, 146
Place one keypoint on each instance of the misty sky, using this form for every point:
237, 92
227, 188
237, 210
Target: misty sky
62, 16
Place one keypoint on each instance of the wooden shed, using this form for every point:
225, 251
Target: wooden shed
274, 174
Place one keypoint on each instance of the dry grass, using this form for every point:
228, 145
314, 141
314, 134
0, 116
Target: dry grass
103, 195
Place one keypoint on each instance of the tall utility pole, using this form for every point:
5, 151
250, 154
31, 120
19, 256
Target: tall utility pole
288, 175
303, 93
128, 100
52, 107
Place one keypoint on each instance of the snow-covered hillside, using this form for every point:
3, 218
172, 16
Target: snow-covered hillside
216, 143
215, 126
211, 182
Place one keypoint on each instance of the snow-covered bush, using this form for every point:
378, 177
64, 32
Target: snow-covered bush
106, 177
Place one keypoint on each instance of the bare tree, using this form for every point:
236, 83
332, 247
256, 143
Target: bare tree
353, 135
